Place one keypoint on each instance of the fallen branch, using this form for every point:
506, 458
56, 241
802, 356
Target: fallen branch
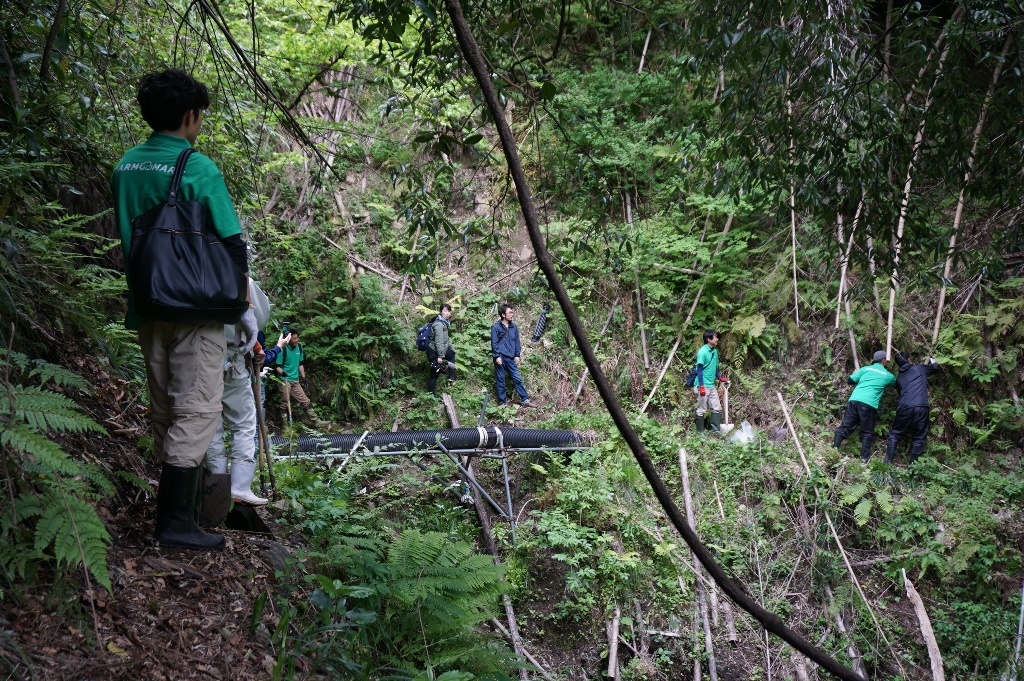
526, 653
835, 536
885, 559
934, 656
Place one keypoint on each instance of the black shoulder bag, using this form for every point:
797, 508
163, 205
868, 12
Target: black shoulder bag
179, 270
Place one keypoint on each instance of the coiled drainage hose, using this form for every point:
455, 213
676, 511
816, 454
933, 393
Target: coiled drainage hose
456, 438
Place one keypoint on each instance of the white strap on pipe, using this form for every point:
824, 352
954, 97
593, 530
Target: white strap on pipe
482, 432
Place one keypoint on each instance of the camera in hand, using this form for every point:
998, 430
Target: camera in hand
286, 328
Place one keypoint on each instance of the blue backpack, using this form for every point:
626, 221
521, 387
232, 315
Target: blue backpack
423, 336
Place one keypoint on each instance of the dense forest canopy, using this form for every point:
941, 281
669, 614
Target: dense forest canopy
816, 181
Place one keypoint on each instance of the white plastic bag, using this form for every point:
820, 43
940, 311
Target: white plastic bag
745, 434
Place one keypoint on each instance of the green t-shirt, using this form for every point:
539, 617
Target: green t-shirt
871, 383
708, 356
289, 359
142, 179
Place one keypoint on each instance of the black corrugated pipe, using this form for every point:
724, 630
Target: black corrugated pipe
458, 438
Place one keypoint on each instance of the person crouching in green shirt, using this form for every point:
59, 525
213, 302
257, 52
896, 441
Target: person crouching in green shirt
862, 409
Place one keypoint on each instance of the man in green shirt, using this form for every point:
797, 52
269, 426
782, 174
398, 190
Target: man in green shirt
291, 370
184, 362
862, 409
704, 387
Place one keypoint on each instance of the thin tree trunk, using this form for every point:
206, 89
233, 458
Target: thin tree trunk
643, 55
412, 256
12, 80
976, 138
701, 591
58, 17
846, 255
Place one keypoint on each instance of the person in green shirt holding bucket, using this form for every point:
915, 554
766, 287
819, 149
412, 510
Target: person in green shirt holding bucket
862, 409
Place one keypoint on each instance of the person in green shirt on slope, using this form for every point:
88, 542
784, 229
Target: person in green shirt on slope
704, 386
862, 409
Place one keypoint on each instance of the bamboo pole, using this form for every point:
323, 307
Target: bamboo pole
976, 138
701, 591
905, 203
686, 322
934, 655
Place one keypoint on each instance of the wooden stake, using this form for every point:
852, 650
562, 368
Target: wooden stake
730, 623
926, 629
701, 591
948, 269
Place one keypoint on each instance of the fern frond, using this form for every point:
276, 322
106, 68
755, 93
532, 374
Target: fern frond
45, 411
76, 532
60, 376
43, 456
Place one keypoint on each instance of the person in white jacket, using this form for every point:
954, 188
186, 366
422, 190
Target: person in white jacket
239, 408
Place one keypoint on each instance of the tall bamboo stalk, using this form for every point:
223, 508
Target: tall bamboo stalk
976, 138
905, 203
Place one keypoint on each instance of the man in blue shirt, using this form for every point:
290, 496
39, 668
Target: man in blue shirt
506, 350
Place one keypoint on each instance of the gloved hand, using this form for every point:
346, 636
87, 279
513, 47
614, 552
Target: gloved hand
931, 360
703, 391
305, 384
248, 330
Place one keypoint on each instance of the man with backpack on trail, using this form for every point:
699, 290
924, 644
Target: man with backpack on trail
506, 351
184, 360
912, 409
440, 351
862, 408
705, 373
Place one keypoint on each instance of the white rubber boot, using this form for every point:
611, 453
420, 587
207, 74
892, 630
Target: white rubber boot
242, 473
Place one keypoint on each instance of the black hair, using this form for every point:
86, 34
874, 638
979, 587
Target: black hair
709, 334
505, 307
444, 306
165, 96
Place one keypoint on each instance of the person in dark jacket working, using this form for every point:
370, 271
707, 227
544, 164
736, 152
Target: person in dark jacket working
912, 409
506, 349
440, 351
862, 409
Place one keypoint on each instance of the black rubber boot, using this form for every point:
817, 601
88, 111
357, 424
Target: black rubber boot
699, 422
176, 511
890, 450
865, 447
716, 422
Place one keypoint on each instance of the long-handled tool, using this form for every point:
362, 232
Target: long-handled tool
727, 426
